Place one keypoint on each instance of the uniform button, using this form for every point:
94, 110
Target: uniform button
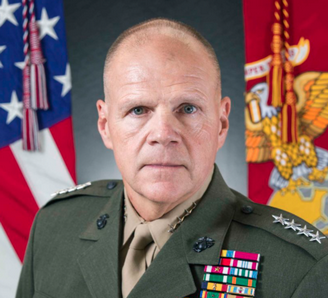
247, 209
111, 185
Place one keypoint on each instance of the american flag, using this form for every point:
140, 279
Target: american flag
28, 178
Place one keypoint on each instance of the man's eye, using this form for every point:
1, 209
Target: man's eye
138, 110
189, 109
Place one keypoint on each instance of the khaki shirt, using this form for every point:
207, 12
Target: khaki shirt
159, 228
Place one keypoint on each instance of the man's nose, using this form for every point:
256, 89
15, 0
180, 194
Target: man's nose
164, 129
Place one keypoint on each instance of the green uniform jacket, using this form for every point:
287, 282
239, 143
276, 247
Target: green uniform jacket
68, 256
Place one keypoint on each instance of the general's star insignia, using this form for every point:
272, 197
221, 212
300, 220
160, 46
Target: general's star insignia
280, 219
296, 227
70, 189
316, 237
304, 231
292, 225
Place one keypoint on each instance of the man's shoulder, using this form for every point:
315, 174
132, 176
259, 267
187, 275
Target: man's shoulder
91, 190
82, 198
282, 225
76, 207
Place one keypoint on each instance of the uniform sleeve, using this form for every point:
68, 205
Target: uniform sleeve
26, 281
314, 284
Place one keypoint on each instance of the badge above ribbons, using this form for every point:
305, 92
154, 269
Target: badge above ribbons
234, 277
287, 139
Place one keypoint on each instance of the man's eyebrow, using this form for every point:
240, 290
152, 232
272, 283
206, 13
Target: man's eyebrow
131, 101
192, 95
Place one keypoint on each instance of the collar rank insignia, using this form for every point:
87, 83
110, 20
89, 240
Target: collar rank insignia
234, 277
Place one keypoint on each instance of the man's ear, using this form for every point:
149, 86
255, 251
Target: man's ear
225, 106
103, 127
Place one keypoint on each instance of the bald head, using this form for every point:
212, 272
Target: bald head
144, 33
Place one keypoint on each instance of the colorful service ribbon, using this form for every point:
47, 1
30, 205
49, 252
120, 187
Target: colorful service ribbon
235, 276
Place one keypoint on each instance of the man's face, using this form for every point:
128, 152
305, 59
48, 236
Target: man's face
163, 118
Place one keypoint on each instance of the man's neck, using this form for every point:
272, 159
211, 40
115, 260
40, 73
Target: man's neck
151, 210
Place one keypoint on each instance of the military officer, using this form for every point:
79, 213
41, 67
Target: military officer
172, 227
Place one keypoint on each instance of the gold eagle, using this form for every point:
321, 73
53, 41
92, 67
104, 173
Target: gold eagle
263, 142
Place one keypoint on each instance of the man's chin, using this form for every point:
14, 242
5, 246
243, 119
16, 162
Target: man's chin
165, 191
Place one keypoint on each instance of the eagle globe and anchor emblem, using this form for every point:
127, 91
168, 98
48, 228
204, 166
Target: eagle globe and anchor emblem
299, 179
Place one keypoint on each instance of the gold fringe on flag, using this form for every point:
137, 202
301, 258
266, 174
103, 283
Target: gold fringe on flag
275, 78
281, 75
289, 114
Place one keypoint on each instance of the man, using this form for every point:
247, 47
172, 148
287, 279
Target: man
173, 217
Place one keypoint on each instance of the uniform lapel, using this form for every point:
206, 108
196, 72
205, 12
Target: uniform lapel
212, 218
100, 262
170, 273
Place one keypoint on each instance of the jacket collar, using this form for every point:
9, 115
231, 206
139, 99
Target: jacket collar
211, 218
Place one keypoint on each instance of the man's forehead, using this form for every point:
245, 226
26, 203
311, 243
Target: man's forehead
161, 56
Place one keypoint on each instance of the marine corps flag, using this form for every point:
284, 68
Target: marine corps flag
286, 109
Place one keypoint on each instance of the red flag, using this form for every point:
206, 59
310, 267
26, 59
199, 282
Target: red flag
287, 143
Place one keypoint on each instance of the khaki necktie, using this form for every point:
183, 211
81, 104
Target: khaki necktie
135, 263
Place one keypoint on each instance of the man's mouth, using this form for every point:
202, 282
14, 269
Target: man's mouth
163, 165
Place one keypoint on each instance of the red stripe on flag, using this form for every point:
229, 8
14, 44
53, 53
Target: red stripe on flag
62, 132
258, 181
17, 204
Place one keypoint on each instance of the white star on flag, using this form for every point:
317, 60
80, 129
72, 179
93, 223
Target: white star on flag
7, 12
2, 48
20, 65
65, 80
47, 25
14, 108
